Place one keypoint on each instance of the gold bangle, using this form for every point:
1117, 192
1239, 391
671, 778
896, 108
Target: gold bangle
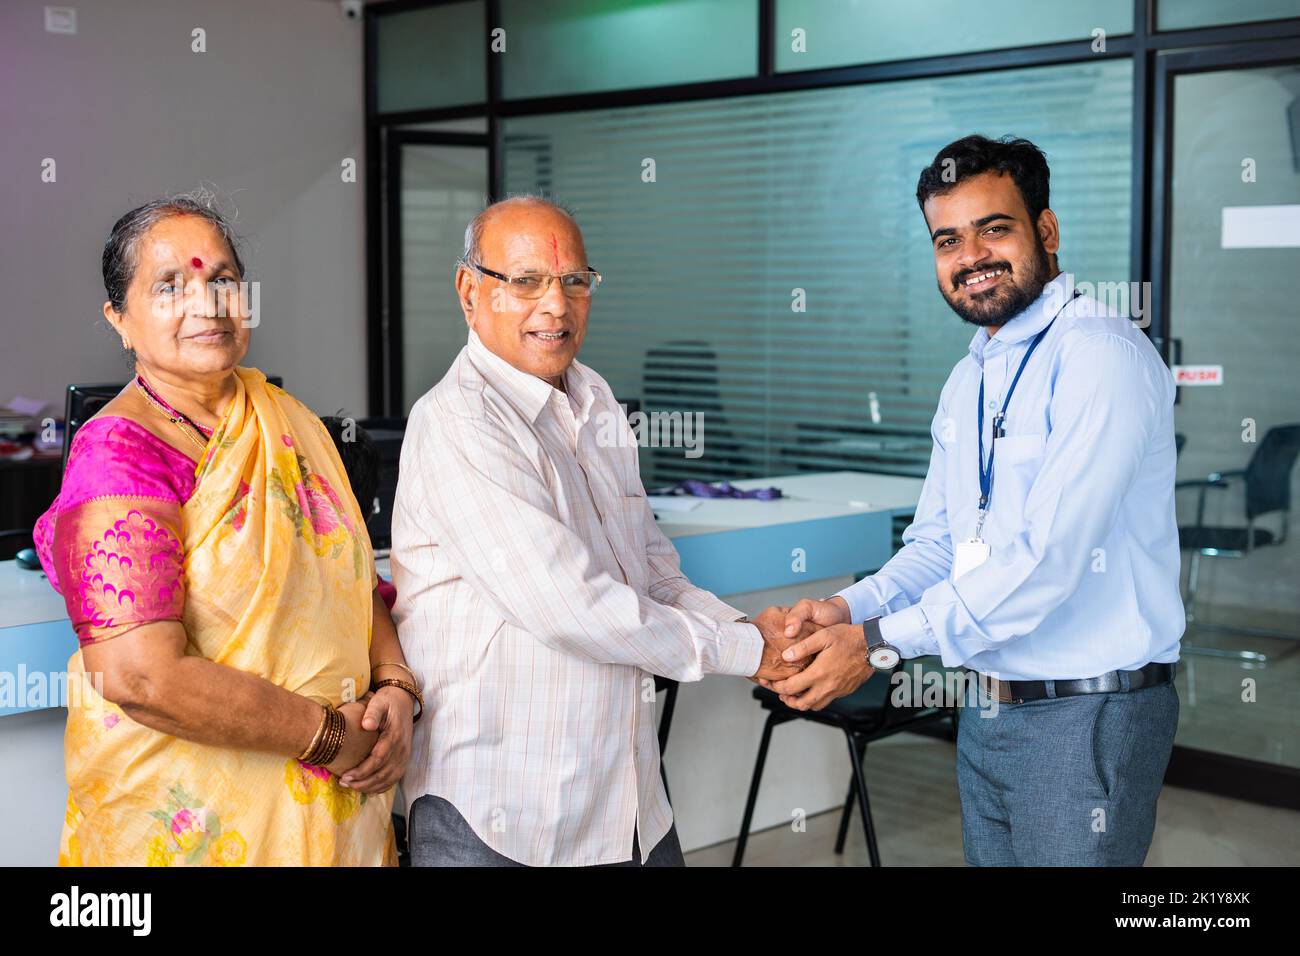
406, 686
333, 742
375, 667
316, 738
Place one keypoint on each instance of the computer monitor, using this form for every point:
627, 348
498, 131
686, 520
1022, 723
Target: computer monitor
84, 401
387, 434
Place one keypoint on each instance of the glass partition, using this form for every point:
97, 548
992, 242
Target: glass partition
431, 57
775, 276
812, 34
1185, 14
584, 46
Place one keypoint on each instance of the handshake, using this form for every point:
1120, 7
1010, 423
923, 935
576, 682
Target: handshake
812, 654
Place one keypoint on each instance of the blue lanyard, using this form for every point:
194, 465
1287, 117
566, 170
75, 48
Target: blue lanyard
986, 472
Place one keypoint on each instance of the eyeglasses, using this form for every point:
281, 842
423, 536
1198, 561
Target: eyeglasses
533, 285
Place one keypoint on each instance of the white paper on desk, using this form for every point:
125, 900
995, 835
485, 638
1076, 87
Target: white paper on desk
672, 503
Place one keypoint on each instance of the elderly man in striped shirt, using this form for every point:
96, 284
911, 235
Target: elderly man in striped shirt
536, 596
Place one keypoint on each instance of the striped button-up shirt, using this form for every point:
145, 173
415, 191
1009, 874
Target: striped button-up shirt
535, 598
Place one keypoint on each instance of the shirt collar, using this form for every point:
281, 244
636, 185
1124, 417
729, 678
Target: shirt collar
1028, 323
580, 382
526, 392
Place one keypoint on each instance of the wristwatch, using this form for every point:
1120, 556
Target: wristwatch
880, 653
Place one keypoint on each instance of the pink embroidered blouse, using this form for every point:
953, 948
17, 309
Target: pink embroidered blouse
111, 541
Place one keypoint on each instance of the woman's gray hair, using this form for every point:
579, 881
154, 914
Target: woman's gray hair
121, 249
474, 231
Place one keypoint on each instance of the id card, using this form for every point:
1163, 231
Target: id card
968, 555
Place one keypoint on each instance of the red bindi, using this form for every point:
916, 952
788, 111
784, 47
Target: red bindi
196, 262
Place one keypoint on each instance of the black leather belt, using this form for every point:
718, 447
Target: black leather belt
1019, 691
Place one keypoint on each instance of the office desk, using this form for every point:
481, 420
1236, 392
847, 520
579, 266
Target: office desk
36, 640
826, 525
36, 637
830, 527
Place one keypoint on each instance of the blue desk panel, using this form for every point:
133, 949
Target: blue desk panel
755, 559
34, 649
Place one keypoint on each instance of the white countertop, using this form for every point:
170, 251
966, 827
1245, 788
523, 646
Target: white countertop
806, 497
26, 597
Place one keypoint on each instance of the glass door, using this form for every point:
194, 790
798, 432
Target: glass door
436, 182
1228, 172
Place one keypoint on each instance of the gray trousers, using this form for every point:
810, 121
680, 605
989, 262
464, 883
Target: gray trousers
1070, 781
439, 836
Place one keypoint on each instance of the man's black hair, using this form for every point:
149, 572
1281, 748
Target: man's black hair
975, 154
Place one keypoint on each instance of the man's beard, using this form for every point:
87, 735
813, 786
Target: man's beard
1000, 305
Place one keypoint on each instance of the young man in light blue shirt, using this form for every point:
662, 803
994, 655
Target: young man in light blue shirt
1044, 551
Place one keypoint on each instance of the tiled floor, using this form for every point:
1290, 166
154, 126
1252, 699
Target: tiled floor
913, 790
1237, 707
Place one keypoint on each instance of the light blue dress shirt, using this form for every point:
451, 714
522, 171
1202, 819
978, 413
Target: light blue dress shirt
1083, 572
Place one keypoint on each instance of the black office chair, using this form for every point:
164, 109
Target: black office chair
1267, 481
865, 715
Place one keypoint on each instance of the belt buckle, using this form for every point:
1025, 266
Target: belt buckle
997, 688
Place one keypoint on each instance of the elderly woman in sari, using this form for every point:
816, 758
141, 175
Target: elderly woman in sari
251, 704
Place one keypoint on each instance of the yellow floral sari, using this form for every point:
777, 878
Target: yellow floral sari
277, 580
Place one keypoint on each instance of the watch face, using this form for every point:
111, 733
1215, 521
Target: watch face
883, 658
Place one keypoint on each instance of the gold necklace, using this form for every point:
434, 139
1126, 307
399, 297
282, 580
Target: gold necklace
179, 419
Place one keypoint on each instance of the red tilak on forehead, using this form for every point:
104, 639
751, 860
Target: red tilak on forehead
555, 252
196, 262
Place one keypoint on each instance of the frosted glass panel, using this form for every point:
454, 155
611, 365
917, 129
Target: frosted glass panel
581, 46
843, 32
443, 187
1184, 14
757, 197
432, 57
1236, 308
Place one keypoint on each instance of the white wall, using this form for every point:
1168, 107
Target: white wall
130, 113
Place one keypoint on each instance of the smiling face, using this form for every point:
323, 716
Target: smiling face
537, 336
990, 258
183, 309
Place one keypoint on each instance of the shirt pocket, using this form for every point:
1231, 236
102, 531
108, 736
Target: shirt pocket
1017, 448
1016, 464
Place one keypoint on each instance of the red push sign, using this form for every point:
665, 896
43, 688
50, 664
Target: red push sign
1198, 374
